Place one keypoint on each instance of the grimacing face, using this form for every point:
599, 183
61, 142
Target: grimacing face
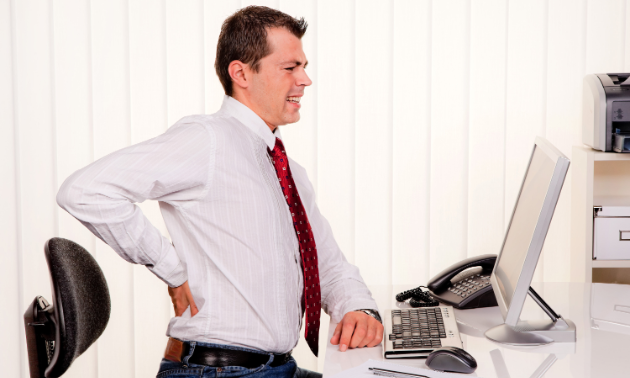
277, 88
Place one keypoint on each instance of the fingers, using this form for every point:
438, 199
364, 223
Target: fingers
379, 334
346, 334
372, 336
360, 333
337, 334
357, 330
178, 306
191, 301
369, 336
181, 297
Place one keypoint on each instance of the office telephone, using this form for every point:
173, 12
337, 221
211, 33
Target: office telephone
465, 284
416, 332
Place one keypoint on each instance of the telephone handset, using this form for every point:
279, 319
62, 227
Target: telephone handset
465, 284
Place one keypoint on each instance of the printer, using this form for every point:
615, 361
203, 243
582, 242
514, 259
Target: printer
606, 112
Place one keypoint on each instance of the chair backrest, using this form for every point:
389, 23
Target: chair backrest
79, 313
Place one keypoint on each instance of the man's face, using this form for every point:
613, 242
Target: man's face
277, 88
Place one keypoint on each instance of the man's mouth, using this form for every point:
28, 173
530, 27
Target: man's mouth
295, 100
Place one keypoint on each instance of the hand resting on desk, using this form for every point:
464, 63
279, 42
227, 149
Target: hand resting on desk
357, 330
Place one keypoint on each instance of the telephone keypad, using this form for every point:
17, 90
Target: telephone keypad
469, 285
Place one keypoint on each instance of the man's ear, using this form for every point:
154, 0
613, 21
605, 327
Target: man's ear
238, 72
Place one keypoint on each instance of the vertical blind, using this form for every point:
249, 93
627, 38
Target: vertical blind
416, 132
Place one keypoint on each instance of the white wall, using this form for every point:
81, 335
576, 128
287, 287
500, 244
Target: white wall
415, 133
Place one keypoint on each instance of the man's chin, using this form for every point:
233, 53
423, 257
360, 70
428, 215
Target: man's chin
293, 118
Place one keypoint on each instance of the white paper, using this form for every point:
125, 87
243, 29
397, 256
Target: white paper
363, 371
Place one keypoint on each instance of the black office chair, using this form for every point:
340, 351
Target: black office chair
59, 333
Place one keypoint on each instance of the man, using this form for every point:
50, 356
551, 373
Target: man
250, 253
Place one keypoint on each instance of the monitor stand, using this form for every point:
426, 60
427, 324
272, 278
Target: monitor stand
535, 332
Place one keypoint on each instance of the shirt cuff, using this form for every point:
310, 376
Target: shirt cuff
170, 269
355, 305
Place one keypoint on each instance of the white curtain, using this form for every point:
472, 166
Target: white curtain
415, 133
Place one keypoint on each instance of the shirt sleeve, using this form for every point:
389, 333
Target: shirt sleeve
173, 167
342, 288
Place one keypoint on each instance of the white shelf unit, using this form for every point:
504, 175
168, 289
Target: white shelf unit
597, 179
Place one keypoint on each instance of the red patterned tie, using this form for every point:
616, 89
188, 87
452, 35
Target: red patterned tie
312, 294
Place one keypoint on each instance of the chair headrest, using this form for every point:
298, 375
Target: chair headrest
81, 301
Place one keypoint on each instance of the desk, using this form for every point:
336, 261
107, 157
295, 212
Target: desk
601, 349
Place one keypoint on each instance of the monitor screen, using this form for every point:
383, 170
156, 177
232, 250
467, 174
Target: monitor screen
524, 239
526, 215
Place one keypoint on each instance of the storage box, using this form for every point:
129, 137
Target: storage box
611, 233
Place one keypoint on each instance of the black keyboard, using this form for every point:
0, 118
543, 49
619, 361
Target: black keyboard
417, 327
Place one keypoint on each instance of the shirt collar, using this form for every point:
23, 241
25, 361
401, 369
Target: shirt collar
251, 120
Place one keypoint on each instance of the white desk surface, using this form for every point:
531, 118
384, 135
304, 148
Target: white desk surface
603, 335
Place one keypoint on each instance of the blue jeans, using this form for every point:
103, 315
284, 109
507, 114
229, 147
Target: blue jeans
170, 369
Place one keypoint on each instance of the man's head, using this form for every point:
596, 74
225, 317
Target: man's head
260, 62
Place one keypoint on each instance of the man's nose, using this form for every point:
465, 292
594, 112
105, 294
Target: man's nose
304, 80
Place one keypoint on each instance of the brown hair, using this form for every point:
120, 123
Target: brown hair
244, 37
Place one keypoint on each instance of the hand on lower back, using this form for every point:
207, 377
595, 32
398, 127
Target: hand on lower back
182, 298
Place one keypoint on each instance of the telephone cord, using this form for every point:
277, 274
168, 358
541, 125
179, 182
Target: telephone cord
417, 298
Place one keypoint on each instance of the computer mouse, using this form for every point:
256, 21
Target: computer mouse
451, 359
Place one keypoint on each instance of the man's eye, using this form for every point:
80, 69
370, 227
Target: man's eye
290, 68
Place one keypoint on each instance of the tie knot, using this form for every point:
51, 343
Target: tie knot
278, 149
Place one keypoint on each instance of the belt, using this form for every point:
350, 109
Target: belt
176, 350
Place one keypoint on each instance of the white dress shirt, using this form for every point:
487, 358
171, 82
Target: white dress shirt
232, 234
